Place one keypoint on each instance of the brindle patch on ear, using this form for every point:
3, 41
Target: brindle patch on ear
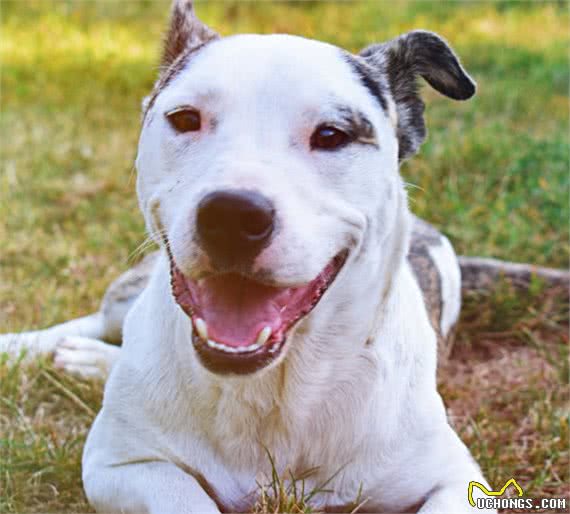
401, 61
186, 32
185, 36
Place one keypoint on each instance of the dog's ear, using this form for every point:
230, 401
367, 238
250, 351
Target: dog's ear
186, 32
401, 61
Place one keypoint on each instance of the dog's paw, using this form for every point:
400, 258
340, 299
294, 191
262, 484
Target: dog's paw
85, 357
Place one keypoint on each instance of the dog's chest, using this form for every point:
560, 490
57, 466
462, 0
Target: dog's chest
253, 441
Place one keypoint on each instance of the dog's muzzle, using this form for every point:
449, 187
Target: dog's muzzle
241, 325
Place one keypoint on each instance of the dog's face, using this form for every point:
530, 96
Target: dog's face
267, 166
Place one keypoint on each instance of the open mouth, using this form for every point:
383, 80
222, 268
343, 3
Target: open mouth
240, 324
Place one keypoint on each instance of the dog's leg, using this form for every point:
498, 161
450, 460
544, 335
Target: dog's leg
452, 499
76, 344
85, 357
43, 342
451, 494
85, 354
150, 487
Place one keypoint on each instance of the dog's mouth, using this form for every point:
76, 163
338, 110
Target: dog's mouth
240, 324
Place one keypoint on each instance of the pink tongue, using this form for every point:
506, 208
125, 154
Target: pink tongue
236, 309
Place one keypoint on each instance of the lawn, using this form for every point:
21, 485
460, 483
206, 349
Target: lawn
493, 175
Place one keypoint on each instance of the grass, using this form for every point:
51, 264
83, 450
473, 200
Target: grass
493, 175
506, 387
44, 418
290, 493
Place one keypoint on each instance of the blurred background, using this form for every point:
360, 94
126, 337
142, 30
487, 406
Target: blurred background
493, 175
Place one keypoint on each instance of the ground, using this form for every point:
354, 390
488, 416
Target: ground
493, 176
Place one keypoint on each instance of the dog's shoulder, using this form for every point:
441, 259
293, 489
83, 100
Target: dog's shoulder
122, 293
130, 284
436, 269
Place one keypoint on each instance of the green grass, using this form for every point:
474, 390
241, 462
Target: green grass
493, 175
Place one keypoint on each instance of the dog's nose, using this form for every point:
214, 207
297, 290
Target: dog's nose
234, 225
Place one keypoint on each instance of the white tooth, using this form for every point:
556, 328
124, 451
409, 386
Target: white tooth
201, 328
250, 348
222, 347
263, 336
213, 344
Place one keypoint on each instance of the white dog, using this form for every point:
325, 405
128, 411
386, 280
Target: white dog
282, 312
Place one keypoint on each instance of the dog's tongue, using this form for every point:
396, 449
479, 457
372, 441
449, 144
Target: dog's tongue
236, 309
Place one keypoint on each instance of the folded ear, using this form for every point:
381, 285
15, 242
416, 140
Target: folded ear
185, 33
401, 61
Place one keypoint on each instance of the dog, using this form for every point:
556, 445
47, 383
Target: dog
295, 305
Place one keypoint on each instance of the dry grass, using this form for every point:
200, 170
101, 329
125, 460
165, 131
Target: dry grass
44, 419
506, 388
289, 493
493, 175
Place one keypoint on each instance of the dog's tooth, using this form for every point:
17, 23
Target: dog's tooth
250, 348
201, 328
213, 344
263, 336
222, 347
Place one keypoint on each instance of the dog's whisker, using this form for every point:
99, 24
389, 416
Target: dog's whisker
147, 243
135, 254
151, 239
414, 186
132, 175
138, 251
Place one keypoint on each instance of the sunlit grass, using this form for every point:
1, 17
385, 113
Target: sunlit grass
493, 175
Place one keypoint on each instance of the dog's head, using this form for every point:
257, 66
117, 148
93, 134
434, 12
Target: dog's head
268, 169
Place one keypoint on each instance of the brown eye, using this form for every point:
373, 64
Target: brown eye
185, 120
326, 137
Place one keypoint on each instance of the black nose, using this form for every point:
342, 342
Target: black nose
234, 225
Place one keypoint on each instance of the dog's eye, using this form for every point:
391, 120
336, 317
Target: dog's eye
184, 120
327, 137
